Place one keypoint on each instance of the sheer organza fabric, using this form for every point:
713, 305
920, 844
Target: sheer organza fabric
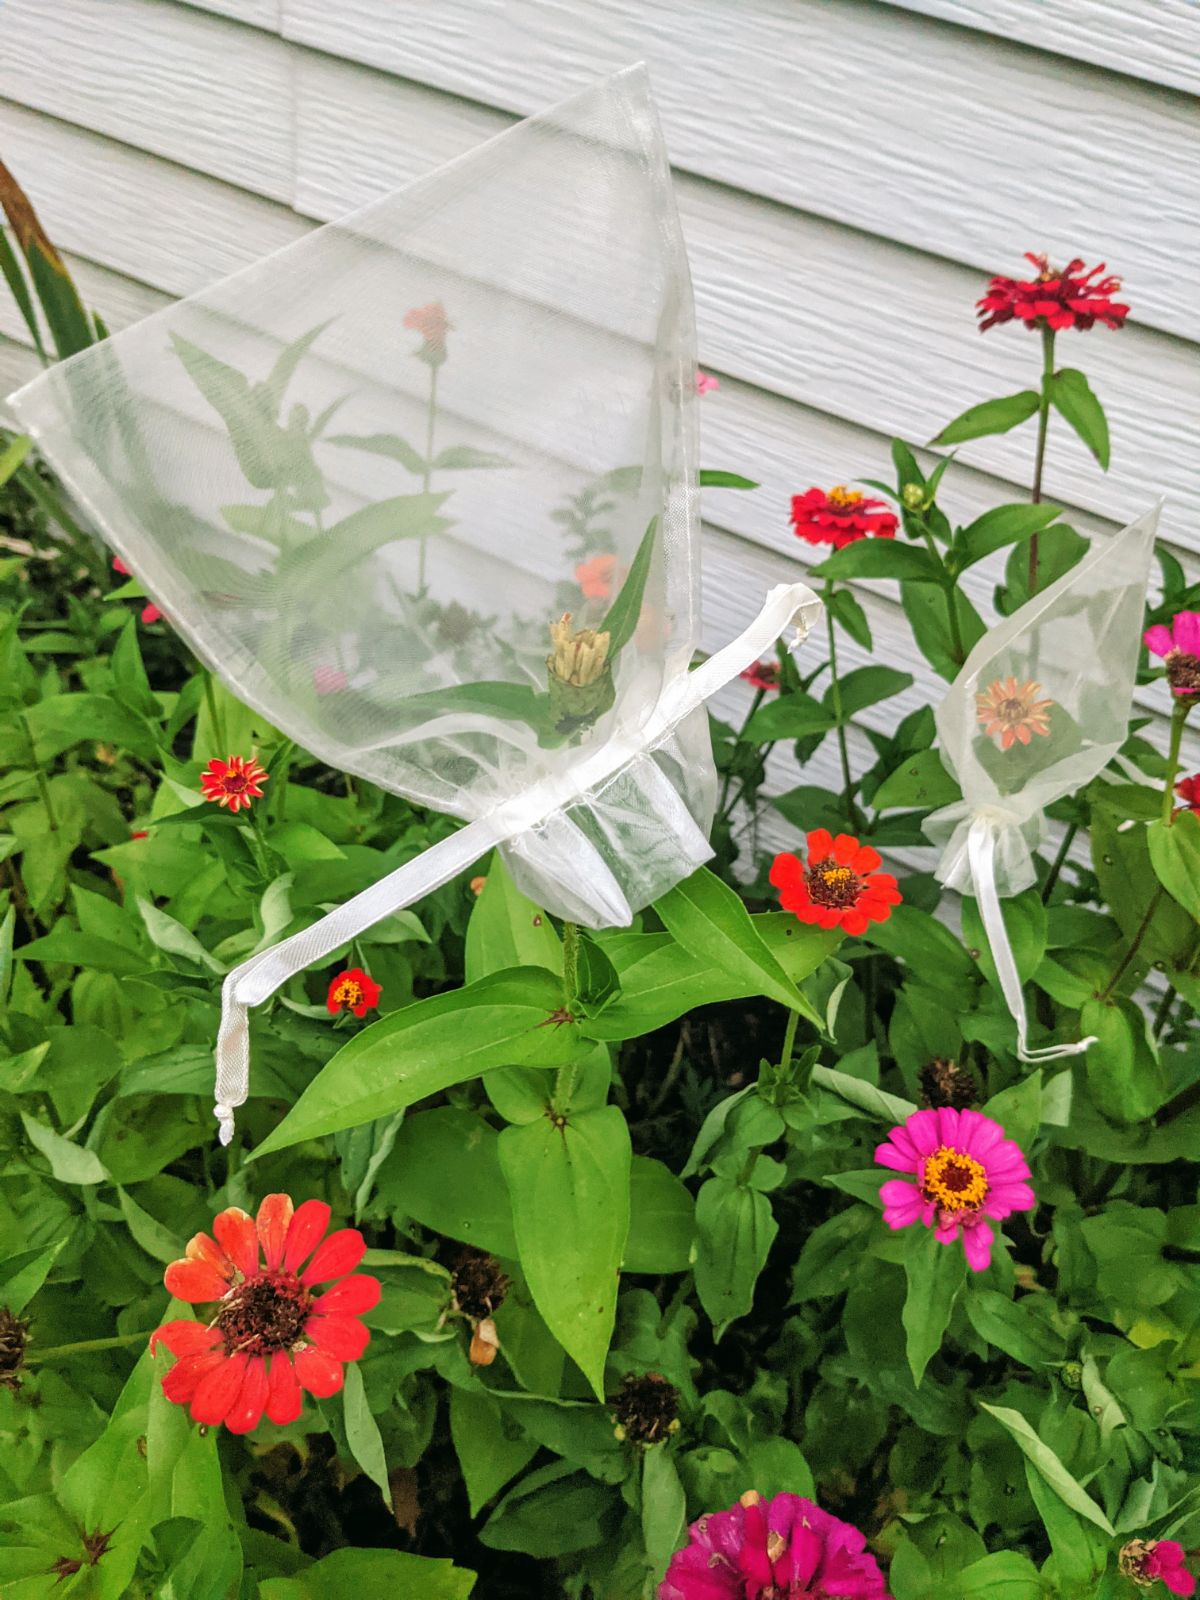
1040, 707
422, 489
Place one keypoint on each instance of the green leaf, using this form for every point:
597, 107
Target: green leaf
1124, 1072
1011, 524
847, 611
664, 1509
791, 716
70, 1163
735, 1231
19, 289
1072, 397
1049, 1465
551, 1512
22, 1275
444, 1171
865, 1096
936, 1273
490, 1445
569, 1188
1025, 919
928, 616
383, 444
155, 1240
621, 622
174, 938
662, 1220
710, 479
12, 457
867, 686
64, 720
362, 1433
372, 1572
1004, 1575
1175, 856
7, 928
709, 920
426, 1047
992, 416
921, 782
460, 457
882, 558
1080, 1554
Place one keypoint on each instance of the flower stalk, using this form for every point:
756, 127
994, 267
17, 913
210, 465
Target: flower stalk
1039, 459
854, 816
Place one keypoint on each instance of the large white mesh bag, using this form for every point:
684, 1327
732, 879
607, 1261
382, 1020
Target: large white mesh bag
1040, 707
421, 489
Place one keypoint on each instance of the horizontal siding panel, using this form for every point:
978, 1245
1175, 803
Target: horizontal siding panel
179, 83
1158, 40
937, 152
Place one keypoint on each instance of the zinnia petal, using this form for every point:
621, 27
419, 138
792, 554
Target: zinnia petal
246, 1411
977, 1246
318, 1372
218, 1390
344, 1338
236, 1234
306, 1228
184, 1337
274, 1219
350, 1298
1158, 640
197, 1282
335, 1256
285, 1400
179, 1385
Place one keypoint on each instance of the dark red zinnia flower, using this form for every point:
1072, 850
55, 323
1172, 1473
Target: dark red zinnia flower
841, 517
841, 887
1188, 790
233, 783
1070, 298
353, 990
274, 1333
763, 675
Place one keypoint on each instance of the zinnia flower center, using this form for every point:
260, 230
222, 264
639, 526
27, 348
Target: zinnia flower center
832, 885
1183, 670
842, 498
348, 993
1012, 710
263, 1314
233, 782
954, 1181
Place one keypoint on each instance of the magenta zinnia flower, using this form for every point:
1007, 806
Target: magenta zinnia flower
1144, 1560
785, 1548
1179, 646
966, 1172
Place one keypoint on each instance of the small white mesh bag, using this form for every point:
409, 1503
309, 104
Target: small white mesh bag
1040, 707
421, 489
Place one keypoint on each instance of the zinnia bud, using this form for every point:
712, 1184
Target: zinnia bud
913, 496
645, 1409
581, 685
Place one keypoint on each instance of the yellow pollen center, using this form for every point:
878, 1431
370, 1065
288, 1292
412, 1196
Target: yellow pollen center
842, 497
953, 1180
348, 993
832, 885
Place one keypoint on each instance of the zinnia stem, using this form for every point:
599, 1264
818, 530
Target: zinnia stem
759, 696
956, 639
430, 421
1135, 944
789, 1040
1039, 459
836, 697
39, 775
564, 1082
1178, 717
1059, 862
85, 1345
214, 716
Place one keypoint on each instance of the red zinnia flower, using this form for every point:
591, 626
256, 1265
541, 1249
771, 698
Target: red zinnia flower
841, 886
595, 577
841, 517
328, 680
273, 1334
1188, 790
1070, 298
150, 612
353, 990
764, 675
432, 323
233, 783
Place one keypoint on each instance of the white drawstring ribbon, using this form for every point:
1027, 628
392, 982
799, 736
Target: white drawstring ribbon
981, 856
257, 978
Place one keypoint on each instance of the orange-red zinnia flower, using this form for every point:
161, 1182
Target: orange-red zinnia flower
432, 323
841, 887
596, 577
274, 1332
353, 990
1070, 298
233, 783
1013, 711
841, 517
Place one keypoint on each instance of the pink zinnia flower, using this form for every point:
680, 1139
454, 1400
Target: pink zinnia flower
596, 577
1179, 647
706, 383
328, 680
764, 675
1144, 1560
966, 1172
768, 1549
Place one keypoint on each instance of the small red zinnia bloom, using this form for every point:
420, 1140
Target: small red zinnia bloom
1070, 298
274, 1333
841, 517
1188, 790
596, 577
353, 990
1145, 1560
763, 675
841, 887
150, 612
233, 783
328, 680
1179, 647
